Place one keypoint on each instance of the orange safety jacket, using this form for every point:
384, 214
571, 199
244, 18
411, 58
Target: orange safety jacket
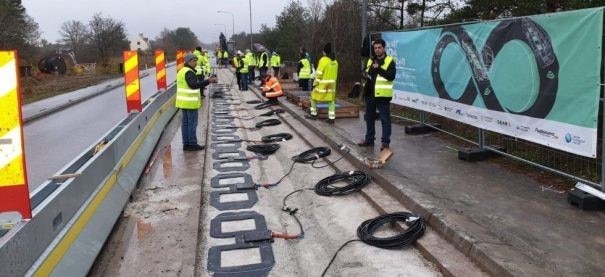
272, 88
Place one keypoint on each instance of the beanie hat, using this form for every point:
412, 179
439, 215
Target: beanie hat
328, 48
190, 57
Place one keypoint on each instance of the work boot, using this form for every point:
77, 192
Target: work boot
310, 117
384, 146
195, 147
329, 120
365, 143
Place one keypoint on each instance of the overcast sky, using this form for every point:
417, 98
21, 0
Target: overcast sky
151, 16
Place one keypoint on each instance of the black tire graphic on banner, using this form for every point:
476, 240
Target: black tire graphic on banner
520, 29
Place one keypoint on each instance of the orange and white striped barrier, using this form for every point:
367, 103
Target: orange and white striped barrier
14, 192
180, 59
160, 69
132, 82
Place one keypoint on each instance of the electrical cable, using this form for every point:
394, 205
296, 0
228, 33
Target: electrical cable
342, 147
304, 157
365, 232
272, 112
312, 155
269, 113
268, 122
263, 149
292, 212
356, 180
276, 137
265, 105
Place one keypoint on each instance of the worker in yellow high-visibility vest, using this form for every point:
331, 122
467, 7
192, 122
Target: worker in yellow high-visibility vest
243, 71
199, 68
275, 63
207, 67
304, 72
251, 65
378, 94
324, 86
188, 100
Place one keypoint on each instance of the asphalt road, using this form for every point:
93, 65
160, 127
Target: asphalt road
55, 140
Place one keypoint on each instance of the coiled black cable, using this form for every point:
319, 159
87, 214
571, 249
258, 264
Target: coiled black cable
415, 230
276, 137
365, 232
265, 105
356, 180
304, 157
263, 149
312, 154
272, 112
268, 122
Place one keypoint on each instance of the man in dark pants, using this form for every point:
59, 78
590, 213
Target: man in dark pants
188, 90
378, 94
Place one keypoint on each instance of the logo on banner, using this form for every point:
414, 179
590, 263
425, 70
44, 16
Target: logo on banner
569, 138
545, 133
503, 123
472, 116
480, 61
523, 128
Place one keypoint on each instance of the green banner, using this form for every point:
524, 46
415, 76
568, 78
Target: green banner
537, 77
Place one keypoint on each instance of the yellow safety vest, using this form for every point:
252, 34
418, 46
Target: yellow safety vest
275, 61
261, 61
244, 68
305, 71
186, 97
325, 80
199, 68
251, 59
382, 87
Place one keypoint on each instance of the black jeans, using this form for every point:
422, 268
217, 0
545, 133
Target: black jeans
238, 76
384, 110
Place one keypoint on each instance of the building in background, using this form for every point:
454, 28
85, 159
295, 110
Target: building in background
140, 43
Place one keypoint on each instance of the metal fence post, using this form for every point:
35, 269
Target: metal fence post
603, 147
481, 138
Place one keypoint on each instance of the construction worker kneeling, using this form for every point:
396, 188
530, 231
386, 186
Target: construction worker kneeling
324, 86
271, 88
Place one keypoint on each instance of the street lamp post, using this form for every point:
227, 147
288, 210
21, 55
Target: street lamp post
250, 5
232, 22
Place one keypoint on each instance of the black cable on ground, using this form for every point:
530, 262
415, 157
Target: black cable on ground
254, 102
263, 149
304, 157
291, 212
365, 232
312, 154
342, 147
268, 122
269, 113
276, 137
272, 112
356, 180
265, 105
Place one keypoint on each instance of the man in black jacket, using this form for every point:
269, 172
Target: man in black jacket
378, 94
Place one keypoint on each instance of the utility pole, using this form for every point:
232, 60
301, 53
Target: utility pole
251, 43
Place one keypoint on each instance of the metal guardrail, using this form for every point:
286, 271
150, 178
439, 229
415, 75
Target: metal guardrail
72, 219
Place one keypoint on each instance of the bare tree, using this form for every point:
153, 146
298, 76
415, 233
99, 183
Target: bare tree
75, 34
108, 35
